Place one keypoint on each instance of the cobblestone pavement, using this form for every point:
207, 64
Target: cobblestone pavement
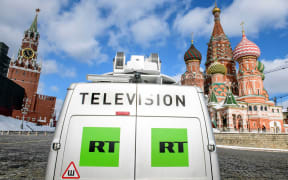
25, 157
239, 164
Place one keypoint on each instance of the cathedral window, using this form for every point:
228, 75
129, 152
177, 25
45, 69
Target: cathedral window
265, 108
273, 110
278, 110
250, 108
255, 108
261, 106
32, 35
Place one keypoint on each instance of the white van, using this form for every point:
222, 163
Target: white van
133, 131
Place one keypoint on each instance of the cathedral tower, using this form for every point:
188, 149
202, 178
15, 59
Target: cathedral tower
217, 72
193, 76
250, 75
219, 49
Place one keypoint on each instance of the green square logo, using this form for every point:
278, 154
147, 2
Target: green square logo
169, 147
100, 147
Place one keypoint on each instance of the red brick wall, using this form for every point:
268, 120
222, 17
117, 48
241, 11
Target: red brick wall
43, 109
27, 79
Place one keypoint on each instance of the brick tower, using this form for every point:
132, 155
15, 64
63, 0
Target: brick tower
219, 49
193, 76
25, 71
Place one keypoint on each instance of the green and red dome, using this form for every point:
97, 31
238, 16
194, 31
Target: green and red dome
192, 54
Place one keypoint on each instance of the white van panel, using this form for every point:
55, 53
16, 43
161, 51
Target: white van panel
103, 99
74, 141
148, 167
168, 100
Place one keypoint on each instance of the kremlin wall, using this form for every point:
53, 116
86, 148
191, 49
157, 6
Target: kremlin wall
237, 101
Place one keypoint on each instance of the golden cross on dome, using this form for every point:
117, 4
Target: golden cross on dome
242, 24
192, 38
215, 3
37, 10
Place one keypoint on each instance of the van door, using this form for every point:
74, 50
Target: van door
171, 148
100, 147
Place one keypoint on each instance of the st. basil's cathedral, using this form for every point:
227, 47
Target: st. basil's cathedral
236, 101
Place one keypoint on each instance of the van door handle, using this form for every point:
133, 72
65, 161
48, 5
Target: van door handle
211, 147
56, 146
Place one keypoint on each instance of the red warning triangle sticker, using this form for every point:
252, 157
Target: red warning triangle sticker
71, 172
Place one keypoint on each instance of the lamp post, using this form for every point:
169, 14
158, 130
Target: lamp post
24, 111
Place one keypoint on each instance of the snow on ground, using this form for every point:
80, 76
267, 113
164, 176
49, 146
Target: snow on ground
12, 124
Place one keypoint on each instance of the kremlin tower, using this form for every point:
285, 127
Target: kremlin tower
236, 101
25, 71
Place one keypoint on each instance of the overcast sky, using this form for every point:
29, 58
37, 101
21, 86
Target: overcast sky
82, 36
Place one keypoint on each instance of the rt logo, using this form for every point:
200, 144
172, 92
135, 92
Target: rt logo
99, 145
171, 146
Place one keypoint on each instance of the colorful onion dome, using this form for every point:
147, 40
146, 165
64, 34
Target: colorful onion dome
246, 48
192, 54
216, 67
260, 66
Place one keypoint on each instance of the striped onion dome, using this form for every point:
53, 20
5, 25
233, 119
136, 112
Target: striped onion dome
260, 66
246, 48
192, 54
216, 67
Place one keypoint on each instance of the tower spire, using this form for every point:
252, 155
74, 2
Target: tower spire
243, 31
33, 26
216, 9
192, 41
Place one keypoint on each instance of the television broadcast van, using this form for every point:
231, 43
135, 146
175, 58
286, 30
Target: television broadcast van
133, 126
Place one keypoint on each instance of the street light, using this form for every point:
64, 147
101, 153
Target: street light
24, 111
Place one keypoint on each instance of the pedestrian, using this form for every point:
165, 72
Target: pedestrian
263, 128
